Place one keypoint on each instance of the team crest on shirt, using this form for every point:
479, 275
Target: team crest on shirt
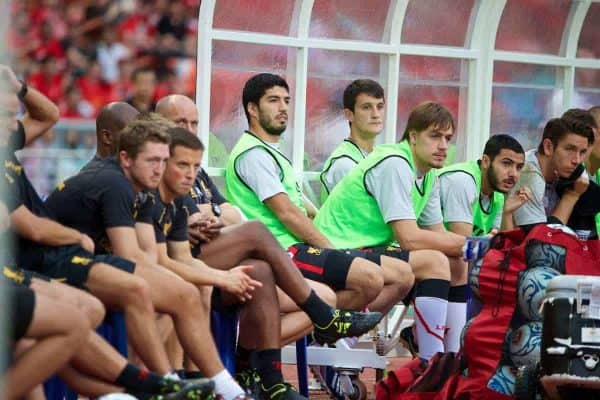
315, 251
12, 166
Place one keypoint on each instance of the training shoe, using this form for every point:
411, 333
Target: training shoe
280, 391
408, 340
346, 324
196, 389
249, 380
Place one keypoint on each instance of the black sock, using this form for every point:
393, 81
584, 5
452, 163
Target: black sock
134, 379
268, 365
242, 359
319, 312
193, 375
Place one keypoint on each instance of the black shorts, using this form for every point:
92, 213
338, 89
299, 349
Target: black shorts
72, 264
21, 276
22, 306
375, 253
327, 266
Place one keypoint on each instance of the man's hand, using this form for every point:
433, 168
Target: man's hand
8, 78
475, 247
580, 185
203, 229
516, 199
240, 284
213, 228
87, 243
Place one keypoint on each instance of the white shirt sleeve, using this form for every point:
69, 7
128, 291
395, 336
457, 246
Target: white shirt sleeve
432, 213
259, 170
390, 183
337, 171
458, 193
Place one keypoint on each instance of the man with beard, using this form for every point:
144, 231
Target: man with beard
472, 194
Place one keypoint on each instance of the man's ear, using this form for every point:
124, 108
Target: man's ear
486, 162
252, 110
124, 159
412, 137
349, 115
106, 137
548, 147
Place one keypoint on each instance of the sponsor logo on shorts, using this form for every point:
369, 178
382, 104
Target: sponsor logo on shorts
12, 166
14, 275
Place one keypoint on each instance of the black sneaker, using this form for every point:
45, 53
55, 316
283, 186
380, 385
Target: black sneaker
280, 391
197, 389
408, 340
346, 324
249, 380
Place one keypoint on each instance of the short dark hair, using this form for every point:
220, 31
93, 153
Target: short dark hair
257, 86
184, 138
558, 128
138, 132
427, 114
141, 70
497, 143
360, 86
581, 115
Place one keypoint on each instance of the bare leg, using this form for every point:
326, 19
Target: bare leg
59, 330
130, 293
363, 284
398, 279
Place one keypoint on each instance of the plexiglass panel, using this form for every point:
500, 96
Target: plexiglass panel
349, 19
589, 39
233, 64
431, 79
534, 26
437, 22
265, 16
587, 88
524, 97
329, 72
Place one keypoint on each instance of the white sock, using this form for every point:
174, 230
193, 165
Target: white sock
430, 321
455, 321
226, 386
172, 376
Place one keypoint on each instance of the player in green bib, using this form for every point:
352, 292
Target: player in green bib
262, 182
393, 195
592, 163
472, 193
364, 108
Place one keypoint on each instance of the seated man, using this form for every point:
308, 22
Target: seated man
63, 253
261, 181
259, 320
364, 108
101, 202
473, 194
398, 194
564, 145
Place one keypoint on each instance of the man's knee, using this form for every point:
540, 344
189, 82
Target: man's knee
429, 264
366, 276
93, 308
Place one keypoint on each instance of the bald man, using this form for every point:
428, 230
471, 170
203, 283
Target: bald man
182, 111
109, 123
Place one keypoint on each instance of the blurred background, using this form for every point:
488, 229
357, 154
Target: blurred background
526, 68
